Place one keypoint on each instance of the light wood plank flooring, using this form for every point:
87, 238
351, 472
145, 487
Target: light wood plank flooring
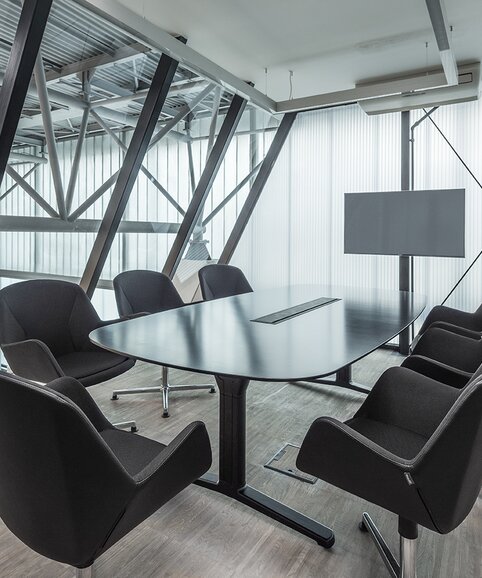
203, 534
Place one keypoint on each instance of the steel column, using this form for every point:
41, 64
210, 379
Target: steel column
258, 186
143, 132
76, 162
199, 197
404, 280
26, 44
43, 97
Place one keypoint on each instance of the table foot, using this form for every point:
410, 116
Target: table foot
274, 509
344, 384
287, 516
342, 379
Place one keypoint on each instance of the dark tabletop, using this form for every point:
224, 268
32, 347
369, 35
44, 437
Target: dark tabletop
219, 337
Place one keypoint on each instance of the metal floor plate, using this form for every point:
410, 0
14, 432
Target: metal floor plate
284, 461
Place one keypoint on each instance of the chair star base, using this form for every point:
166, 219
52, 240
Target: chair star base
407, 568
165, 387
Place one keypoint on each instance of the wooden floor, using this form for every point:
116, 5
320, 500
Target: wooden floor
203, 534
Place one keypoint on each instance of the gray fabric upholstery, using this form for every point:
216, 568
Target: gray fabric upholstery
71, 485
450, 348
438, 370
219, 281
143, 291
408, 425
44, 333
472, 321
399, 441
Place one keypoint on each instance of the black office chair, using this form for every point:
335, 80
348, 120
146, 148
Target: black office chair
71, 484
219, 281
148, 292
413, 448
449, 357
454, 320
44, 334
438, 370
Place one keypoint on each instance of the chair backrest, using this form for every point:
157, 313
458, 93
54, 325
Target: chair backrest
145, 291
61, 487
448, 471
56, 312
219, 281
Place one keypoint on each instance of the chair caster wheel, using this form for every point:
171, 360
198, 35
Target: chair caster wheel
165, 414
114, 396
362, 526
212, 390
134, 429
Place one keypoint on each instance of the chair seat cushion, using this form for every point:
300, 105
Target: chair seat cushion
81, 364
401, 442
132, 450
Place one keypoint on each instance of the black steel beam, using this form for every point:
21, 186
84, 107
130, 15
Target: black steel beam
258, 186
205, 183
143, 132
18, 73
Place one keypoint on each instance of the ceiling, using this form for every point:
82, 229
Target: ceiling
328, 45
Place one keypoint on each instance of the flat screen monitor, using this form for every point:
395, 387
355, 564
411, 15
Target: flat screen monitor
426, 223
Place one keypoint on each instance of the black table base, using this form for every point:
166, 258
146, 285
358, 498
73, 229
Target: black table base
342, 379
232, 466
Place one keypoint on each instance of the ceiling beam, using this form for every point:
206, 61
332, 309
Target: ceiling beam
438, 17
369, 89
158, 39
13, 223
120, 56
23, 158
141, 94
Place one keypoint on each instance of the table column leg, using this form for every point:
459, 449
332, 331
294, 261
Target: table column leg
232, 465
232, 432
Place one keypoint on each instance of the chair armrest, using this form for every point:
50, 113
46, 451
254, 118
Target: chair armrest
456, 329
33, 360
409, 400
341, 456
450, 348
76, 392
184, 460
438, 370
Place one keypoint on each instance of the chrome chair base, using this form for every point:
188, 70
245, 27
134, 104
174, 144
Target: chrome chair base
407, 568
164, 388
85, 572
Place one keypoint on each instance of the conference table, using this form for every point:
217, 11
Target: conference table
295, 333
